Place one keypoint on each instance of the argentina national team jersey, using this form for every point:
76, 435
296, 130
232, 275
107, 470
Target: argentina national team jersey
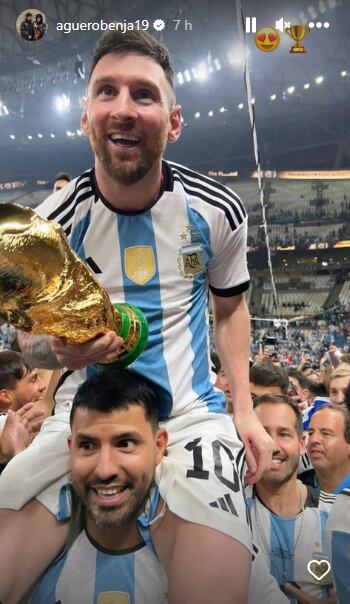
338, 529
289, 544
163, 260
88, 575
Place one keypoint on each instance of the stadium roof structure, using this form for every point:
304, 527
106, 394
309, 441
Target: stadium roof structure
300, 100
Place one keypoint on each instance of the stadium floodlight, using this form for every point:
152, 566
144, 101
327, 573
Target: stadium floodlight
202, 71
3, 109
40, 135
187, 75
29, 137
194, 73
307, 86
211, 113
273, 97
343, 73
217, 64
253, 101
197, 115
12, 137
62, 103
240, 106
319, 79
291, 89
313, 13
223, 109
79, 68
237, 56
180, 78
69, 133
79, 132
52, 135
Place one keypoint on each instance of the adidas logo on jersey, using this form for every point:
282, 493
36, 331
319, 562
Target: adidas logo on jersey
225, 503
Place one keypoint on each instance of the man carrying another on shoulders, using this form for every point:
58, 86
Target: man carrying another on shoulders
115, 447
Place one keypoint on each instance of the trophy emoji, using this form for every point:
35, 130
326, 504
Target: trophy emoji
46, 289
297, 32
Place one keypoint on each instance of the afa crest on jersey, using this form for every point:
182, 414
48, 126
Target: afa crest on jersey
139, 263
191, 260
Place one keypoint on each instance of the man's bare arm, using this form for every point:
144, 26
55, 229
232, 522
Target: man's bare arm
48, 352
232, 332
37, 351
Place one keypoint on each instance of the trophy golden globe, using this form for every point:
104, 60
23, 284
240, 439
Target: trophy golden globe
298, 33
46, 289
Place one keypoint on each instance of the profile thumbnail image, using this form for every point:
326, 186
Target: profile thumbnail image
31, 24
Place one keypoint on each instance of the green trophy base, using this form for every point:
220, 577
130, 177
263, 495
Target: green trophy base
134, 331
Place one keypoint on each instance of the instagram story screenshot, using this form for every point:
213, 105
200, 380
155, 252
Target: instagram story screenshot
175, 302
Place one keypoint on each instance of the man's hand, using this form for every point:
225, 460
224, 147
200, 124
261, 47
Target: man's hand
76, 356
19, 430
258, 445
305, 598
263, 356
305, 359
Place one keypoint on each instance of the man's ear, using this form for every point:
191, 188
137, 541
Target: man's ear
84, 122
69, 442
161, 443
302, 444
6, 399
175, 124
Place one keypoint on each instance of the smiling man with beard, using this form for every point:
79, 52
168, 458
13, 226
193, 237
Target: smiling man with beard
287, 527
115, 447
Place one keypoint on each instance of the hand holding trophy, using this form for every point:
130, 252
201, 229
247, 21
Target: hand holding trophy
46, 289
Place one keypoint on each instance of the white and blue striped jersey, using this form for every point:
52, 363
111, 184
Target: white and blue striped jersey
289, 544
163, 260
89, 575
338, 528
263, 587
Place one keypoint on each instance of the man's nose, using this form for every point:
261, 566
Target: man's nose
313, 438
276, 446
124, 107
42, 385
340, 399
107, 465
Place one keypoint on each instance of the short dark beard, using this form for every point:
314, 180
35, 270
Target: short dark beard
287, 477
109, 518
127, 177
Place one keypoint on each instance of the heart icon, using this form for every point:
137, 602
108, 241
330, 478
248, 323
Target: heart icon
318, 569
272, 38
262, 37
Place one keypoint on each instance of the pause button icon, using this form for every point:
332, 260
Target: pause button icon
250, 25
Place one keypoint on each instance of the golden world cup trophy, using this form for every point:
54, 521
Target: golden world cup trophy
298, 33
46, 289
